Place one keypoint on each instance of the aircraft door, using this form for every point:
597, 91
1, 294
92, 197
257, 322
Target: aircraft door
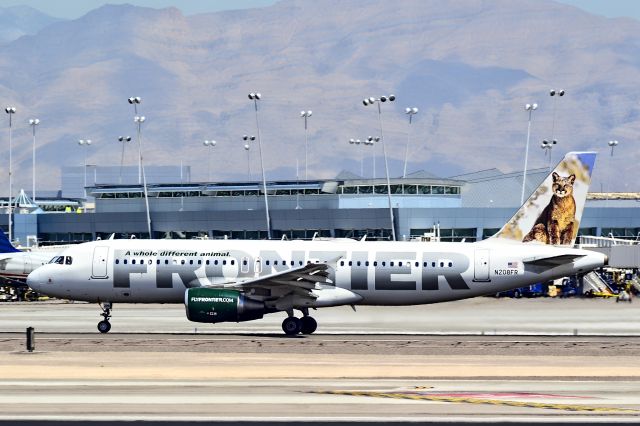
481, 265
99, 268
258, 266
26, 267
244, 265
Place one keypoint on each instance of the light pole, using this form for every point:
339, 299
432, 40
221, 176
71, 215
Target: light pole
410, 112
135, 101
612, 145
364, 143
555, 94
247, 148
10, 110
530, 108
209, 144
379, 101
305, 115
33, 123
372, 140
124, 140
139, 120
255, 97
85, 143
547, 146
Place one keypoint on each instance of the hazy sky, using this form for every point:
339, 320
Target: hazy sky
72, 9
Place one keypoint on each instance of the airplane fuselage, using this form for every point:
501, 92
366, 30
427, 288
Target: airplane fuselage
380, 273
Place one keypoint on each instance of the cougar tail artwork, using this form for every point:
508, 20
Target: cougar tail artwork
553, 212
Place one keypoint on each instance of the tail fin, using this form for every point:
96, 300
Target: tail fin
5, 244
553, 212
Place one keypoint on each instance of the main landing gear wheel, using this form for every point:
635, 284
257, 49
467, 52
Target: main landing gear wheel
291, 326
104, 326
308, 325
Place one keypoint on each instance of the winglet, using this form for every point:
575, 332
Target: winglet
553, 212
5, 244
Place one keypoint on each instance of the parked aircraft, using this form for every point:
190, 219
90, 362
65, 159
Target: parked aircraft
236, 280
15, 264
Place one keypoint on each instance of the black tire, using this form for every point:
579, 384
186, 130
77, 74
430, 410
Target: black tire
308, 325
104, 326
291, 326
517, 294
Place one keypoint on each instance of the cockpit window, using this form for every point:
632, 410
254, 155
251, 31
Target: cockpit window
60, 260
68, 260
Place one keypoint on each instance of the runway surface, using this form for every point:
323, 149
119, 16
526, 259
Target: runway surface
484, 315
158, 368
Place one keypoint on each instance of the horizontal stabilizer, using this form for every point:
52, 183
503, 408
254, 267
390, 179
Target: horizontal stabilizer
553, 260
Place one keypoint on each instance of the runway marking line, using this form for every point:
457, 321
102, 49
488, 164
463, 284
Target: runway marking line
423, 397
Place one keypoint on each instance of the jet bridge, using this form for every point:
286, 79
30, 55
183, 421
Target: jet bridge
622, 253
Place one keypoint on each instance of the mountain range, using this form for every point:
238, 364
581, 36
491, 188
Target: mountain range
469, 66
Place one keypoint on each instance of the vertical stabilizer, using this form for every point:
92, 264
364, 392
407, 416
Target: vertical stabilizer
5, 244
552, 214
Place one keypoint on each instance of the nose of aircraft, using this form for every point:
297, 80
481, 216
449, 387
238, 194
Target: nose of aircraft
34, 280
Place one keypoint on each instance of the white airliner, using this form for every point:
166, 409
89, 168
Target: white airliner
237, 280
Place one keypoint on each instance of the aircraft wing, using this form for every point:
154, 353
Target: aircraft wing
305, 278
552, 261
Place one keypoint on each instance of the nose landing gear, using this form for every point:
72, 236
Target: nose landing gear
104, 326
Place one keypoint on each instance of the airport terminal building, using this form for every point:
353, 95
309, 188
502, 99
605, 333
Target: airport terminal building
468, 207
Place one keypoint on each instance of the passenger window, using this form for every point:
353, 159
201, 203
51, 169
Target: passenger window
425, 264
150, 261
244, 262
233, 262
124, 261
375, 263
417, 264
441, 264
433, 264
350, 263
292, 263
199, 261
300, 262
358, 263
450, 264
117, 261
399, 263
366, 263
215, 262
384, 263
224, 262
157, 261
207, 262
133, 261
342, 263
267, 263
191, 262
166, 261
390, 263
275, 263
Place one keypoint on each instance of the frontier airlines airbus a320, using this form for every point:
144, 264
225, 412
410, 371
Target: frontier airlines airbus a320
236, 280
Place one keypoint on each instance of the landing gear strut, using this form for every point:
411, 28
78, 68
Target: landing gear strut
104, 326
305, 325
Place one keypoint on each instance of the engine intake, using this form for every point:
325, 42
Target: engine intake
221, 305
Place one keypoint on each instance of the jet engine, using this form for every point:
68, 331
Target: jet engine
221, 305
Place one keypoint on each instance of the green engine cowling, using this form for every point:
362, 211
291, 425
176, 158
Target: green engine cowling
221, 305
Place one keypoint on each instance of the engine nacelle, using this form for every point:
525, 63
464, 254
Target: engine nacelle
221, 305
